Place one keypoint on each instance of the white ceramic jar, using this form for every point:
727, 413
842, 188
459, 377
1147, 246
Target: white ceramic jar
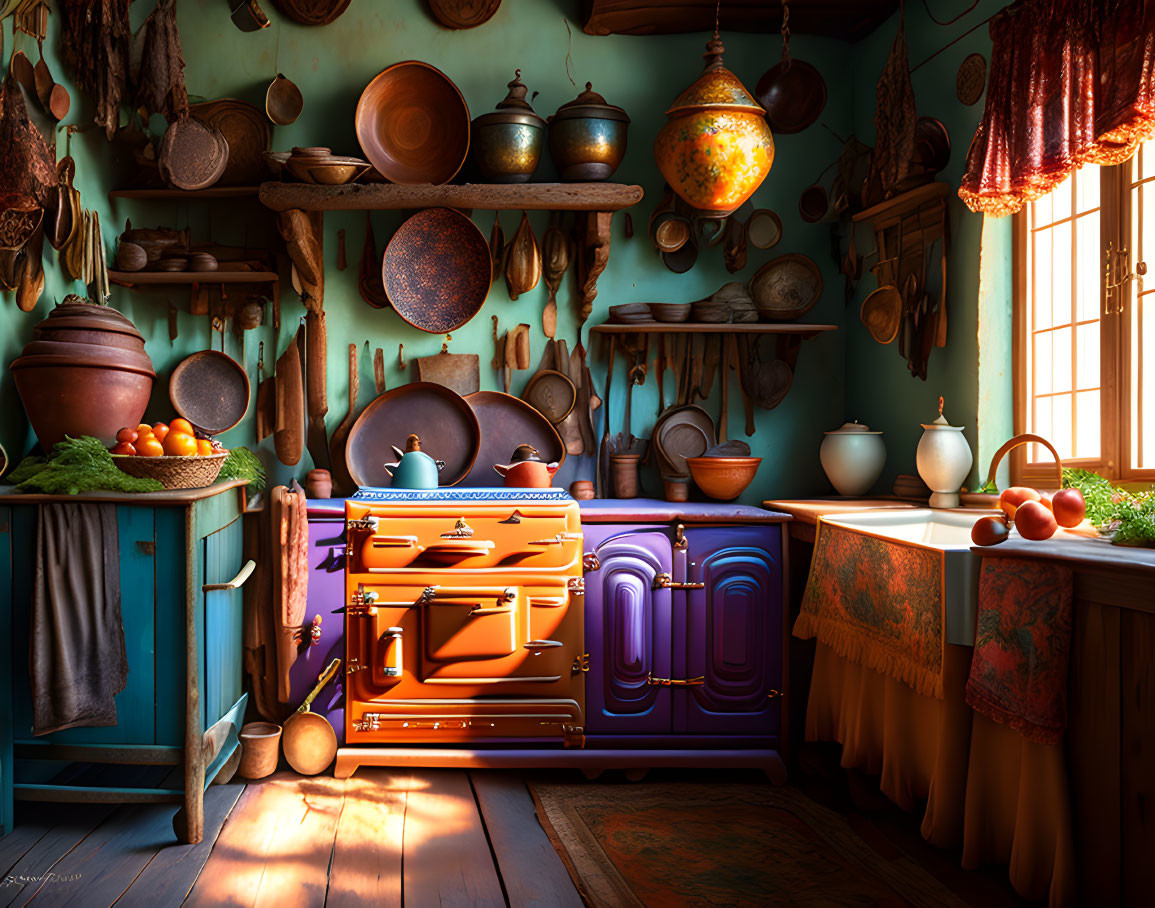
853, 457
943, 459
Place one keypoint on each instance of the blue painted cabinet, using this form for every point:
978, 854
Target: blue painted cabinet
684, 632
181, 568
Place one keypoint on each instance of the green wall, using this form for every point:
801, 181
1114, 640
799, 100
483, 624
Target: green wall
332, 64
880, 390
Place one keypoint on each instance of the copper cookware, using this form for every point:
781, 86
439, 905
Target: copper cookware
447, 425
436, 270
312, 12
283, 101
211, 390
792, 91
193, 154
463, 13
587, 137
507, 142
413, 124
309, 740
247, 134
505, 420
85, 372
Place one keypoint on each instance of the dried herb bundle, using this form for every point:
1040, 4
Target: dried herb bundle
160, 84
95, 36
28, 168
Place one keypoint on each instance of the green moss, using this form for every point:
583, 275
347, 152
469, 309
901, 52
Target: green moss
77, 465
243, 464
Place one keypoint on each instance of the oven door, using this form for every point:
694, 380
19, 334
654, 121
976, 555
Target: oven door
469, 624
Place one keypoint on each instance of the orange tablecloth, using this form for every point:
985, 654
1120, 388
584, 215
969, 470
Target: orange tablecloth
1003, 798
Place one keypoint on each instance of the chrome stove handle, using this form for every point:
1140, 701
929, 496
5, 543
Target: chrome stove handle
664, 581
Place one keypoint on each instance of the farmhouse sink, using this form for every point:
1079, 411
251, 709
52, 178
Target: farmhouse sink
946, 531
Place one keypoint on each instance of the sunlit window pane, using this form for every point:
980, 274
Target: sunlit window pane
1088, 277
1087, 426
1087, 360
1061, 201
1061, 276
1061, 359
1042, 364
1041, 209
1042, 280
1143, 206
1147, 160
1143, 383
1087, 189
1042, 426
1061, 429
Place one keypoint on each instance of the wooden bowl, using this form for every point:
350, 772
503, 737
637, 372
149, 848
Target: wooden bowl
671, 312
786, 288
335, 172
413, 124
723, 478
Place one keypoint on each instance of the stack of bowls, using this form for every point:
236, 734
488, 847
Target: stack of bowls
671, 312
631, 313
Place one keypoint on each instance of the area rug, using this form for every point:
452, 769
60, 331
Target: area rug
672, 844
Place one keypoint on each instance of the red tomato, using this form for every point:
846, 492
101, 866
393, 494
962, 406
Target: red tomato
126, 435
149, 446
181, 425
1015, 496
124, 447
1070, 507
989, 531
1034, 521
160, 430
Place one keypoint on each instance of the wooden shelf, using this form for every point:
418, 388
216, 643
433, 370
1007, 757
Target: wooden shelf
213, 192
131, 278
712, 328
906, 203
484, 196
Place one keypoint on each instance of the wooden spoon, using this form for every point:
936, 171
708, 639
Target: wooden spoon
339, 468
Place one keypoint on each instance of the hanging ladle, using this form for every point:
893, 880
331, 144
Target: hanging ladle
283, 101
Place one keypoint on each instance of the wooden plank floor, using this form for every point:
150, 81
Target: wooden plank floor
426, 837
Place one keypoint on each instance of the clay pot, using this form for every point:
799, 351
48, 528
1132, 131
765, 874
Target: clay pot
260, 749
716, 148
723, 478
318, 484
582, 489
624, 471
677, 488
529, 474
85, 372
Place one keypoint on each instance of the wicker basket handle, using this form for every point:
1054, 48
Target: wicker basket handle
1023, 440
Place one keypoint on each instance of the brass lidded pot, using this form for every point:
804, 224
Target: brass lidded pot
507, 142
587, 137
716, 147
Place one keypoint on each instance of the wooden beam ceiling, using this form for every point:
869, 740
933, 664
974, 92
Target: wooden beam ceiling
847, 19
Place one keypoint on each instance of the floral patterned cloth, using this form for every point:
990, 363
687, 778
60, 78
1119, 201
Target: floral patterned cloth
878, 603
1022, 646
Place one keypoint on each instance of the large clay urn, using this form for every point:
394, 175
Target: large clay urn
716, 148
85, 372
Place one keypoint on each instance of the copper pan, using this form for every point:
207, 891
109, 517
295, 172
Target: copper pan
211, 390
793, 93
308, 739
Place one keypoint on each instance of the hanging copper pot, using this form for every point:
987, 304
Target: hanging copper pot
716, 148
507, 143
792, 91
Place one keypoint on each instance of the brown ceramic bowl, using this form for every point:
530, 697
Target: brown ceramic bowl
723, 478
437, 270
413, 124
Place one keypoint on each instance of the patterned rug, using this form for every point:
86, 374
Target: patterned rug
672, 844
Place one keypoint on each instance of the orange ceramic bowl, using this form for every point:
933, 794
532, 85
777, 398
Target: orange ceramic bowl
723, 478
413, 124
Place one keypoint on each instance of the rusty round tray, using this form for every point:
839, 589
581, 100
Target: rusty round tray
444, 421
506, 422
246, 130
437, 270
211, 390
413, 124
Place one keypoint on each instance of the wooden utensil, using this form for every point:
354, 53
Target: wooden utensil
283, 101
712, 356
660, 370
555, 258
603, 447
697, 358
289, 437
584, 389
523, 265
510, 358
265, 397
379, 370
724, 407
342, 481
315, 374
497, 248
460, 372
567, 428
742, 353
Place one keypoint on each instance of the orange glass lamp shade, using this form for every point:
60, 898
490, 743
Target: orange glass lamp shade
716, 149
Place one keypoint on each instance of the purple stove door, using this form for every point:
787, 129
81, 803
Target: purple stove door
326, 592
733, 632
627, 631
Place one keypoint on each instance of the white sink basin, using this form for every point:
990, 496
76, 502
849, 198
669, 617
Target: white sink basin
946, 531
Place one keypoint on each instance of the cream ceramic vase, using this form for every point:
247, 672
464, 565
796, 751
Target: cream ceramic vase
853, 457
943, 459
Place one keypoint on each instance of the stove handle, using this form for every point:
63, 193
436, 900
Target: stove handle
542, 644
477, 611
503, 594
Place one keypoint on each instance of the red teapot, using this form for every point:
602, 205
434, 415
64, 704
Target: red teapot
526, 470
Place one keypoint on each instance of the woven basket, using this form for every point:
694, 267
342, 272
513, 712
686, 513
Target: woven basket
173, 472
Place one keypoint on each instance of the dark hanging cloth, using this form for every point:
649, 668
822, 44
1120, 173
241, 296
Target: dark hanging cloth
94, 42
160, 84
1072, 82
77, 657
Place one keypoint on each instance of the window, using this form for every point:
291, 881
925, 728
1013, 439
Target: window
1084, 316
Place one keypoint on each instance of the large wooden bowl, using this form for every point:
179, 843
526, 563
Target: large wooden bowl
413, 124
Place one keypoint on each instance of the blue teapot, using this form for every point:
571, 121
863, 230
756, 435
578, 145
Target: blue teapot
415, 469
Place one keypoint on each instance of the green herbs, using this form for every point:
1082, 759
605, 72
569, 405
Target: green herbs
243, 464
1127, 517
77, 465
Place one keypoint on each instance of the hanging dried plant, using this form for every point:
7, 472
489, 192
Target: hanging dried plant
160, 86
95, 37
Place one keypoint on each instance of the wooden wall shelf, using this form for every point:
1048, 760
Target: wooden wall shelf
484, 196
884, 214
142, 278
712, 328
213, 192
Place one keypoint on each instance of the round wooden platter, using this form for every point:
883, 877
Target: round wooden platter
463, 13
246, 130
312, 12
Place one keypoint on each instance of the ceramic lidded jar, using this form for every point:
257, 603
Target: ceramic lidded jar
943, 459
716, 148
85, 372
853, 457
587, 137
507, 143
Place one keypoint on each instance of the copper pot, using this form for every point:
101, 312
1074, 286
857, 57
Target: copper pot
507, 143
85, 372
587, 137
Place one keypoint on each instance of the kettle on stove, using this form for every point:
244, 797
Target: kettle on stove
526, 470
414, 469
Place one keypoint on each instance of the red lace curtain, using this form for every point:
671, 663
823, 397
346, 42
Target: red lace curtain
1072, 82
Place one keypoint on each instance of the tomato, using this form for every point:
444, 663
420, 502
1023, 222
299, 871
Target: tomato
1070, 507
126, 435
989, 531
1015, 496
182, 425
179, 444
124, 447
160, 430
204, 447
1034, 521
143, 429
149, 446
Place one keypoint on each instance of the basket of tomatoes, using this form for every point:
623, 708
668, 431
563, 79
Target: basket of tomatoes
172, 454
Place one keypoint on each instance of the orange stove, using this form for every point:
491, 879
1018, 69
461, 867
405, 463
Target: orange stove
463, 617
